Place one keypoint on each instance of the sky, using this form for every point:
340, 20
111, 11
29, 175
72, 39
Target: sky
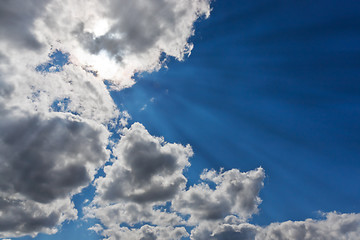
192, 119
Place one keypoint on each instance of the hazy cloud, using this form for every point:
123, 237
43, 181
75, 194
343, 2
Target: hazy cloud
16, 20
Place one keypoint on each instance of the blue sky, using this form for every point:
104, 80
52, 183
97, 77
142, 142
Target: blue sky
269, 84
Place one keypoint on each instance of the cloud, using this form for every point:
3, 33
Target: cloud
16, 20
130, 214
46, 159
335, 226
148, 168
235, 193
211, 231
116, 39
21, 216
72, 90
147, 232
148, 173
56, 123
43, 162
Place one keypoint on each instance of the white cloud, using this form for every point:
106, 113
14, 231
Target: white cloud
118, 38
235, 193
335, 227
224, 231
130, 214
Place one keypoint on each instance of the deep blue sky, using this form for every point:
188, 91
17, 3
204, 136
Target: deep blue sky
269, 83
272, 84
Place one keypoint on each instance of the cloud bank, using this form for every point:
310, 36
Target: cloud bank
58, 119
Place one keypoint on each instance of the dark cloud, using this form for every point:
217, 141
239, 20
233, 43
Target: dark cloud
47, 159
43, 162
15, 217
16, 21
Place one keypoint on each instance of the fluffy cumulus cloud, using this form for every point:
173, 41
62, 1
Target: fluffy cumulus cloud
147, 173
235, 193
148, 168
334, 226
47, 159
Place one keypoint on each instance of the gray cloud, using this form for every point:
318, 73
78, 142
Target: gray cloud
16, 20
47, 159
23, 217
146, 170
43, 162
